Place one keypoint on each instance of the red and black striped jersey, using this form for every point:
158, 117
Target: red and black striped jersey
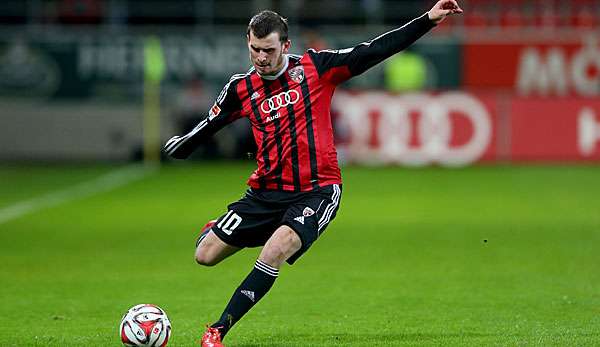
290, 112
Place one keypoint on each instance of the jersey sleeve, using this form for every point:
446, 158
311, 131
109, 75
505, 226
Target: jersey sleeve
225, 110
340, 65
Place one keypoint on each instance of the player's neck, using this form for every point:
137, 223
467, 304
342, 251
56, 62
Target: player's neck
281, 71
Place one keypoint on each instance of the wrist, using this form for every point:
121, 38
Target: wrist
432, 20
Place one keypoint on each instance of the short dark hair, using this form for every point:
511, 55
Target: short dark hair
266, 22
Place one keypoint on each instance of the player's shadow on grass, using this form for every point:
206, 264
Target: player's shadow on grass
348, 339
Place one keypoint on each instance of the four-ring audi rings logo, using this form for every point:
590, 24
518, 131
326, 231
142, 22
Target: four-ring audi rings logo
280, 100
450, 129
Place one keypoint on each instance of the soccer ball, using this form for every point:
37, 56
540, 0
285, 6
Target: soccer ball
145, 325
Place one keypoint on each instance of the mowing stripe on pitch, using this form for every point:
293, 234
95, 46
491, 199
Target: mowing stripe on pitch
104, 183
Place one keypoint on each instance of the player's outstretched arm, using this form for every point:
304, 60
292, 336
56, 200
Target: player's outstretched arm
225, 110
180, 147
442, 9
340, 65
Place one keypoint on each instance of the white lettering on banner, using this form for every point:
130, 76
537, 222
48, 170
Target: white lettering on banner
543, 76
555, 73
122, 58
394, 128
587, 58
588, 134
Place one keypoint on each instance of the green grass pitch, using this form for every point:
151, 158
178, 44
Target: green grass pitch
481, 256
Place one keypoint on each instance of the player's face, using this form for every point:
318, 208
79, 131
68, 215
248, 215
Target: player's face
267, 53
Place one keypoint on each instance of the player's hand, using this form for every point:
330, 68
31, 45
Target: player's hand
443, 8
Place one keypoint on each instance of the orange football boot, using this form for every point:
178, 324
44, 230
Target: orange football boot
211, 338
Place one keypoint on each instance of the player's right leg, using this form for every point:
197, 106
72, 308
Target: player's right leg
211, 250
306, 217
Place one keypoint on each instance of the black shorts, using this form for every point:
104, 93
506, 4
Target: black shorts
252, 220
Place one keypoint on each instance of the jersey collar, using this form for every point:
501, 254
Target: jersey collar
276, 76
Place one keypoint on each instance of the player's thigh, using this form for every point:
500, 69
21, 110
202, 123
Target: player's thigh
310, 216
248, 222
212, 250
284, 243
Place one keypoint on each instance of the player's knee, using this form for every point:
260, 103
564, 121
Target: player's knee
203, 257
291, 241
272, 255
283, 245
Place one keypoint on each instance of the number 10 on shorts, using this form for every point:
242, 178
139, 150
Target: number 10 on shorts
229, 222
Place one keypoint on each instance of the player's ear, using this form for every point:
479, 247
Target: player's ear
286, 46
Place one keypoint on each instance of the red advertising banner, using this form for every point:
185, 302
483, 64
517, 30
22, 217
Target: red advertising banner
449, 129
555, 129
534, 68
457, 128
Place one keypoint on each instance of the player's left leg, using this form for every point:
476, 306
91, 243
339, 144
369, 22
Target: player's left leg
284, 243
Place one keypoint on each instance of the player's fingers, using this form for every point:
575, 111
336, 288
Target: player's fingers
450, 5
456, 8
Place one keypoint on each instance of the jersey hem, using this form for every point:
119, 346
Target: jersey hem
292, 188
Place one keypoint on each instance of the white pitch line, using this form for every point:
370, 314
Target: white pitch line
109, 181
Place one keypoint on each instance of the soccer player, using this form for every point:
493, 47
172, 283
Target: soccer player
295, 191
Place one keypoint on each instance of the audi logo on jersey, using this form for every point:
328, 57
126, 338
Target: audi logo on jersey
280, 100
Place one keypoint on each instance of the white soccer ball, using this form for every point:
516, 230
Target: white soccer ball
145, 325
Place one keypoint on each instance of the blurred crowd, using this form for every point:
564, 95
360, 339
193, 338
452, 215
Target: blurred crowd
90, 52
478, 13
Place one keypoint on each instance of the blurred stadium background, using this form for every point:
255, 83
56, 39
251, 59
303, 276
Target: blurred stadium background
89, 86
508, 81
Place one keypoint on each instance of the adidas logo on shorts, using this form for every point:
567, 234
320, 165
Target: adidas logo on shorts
306, 213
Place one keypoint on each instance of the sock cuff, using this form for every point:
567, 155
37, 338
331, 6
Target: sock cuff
200, 238
268, 269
